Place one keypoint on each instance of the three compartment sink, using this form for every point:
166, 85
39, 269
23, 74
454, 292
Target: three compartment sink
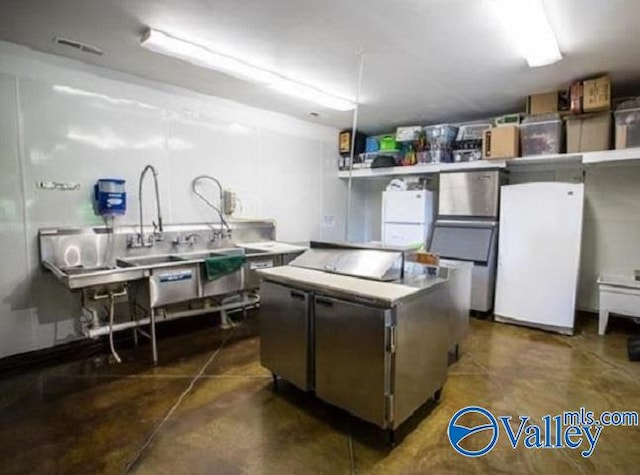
134, 268
175, 278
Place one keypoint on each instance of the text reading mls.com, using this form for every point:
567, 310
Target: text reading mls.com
575, 430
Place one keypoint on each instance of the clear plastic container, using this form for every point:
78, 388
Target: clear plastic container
471, 132
543, 136
469, 155
627, 127
440, 154
440, 139
441, 134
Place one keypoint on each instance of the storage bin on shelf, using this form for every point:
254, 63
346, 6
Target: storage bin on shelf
541, 135
468, 144
372, 144
628, 124
440, 139
388, 143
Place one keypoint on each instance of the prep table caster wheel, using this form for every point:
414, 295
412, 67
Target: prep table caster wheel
390, 437
437, 395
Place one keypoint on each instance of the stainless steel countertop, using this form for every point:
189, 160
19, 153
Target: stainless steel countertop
385, 294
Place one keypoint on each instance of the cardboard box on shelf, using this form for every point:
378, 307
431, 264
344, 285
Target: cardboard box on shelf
545, 103
428, 258
596, 94
589, 133
575, 97
501, 142
344, 143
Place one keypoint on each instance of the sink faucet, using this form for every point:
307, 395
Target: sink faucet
220, 234
224, 225
157, 228
189, 239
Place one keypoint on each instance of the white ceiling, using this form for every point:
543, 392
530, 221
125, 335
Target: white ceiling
425, 60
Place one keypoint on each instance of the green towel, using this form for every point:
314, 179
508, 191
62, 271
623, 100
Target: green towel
216, 267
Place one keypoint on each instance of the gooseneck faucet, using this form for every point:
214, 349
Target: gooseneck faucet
223, 222
157, 230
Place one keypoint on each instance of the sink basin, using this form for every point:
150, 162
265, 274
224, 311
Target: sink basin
249, 251
79, 277
149, 260
227, 251
79, 270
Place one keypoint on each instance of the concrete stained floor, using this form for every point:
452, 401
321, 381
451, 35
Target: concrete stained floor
93, 416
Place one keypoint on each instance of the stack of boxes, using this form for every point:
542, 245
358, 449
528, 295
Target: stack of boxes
585, 107
591, 131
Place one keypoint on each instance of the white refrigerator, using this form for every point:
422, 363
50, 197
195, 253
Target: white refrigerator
539, 254
407, 217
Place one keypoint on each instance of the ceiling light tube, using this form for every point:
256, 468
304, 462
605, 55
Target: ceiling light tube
528, 26
160, 42
311, 94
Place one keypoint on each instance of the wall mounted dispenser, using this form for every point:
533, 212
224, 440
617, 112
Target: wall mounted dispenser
110, 197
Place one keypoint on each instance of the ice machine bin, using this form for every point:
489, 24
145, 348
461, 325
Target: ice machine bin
475, 242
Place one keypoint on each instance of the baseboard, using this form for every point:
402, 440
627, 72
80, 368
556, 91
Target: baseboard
65, 352
86, 348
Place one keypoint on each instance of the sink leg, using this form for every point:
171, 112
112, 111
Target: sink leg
132, 317
244, 306
154, 348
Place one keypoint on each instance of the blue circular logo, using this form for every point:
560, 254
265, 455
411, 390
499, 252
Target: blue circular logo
457, 432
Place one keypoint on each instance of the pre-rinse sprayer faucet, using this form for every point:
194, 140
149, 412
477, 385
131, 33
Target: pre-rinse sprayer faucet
157, 233
220, 234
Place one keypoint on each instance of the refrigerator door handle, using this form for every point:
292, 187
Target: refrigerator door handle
324, 303
296, 295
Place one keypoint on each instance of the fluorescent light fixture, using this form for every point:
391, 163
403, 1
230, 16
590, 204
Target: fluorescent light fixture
310, 93
162, 43
529, 28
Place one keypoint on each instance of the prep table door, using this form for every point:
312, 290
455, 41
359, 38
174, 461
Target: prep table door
285, 333
350, 358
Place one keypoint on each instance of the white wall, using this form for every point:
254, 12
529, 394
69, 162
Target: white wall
64, 121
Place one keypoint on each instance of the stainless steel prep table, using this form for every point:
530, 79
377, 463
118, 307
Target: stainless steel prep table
376, 349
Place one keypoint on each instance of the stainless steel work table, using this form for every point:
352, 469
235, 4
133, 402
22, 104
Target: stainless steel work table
377, 349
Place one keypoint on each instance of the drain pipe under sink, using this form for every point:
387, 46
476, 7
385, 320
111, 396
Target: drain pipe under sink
112, 305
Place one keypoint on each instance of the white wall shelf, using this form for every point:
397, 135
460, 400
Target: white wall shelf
538, 162
611, 156
546, 159
422, 169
